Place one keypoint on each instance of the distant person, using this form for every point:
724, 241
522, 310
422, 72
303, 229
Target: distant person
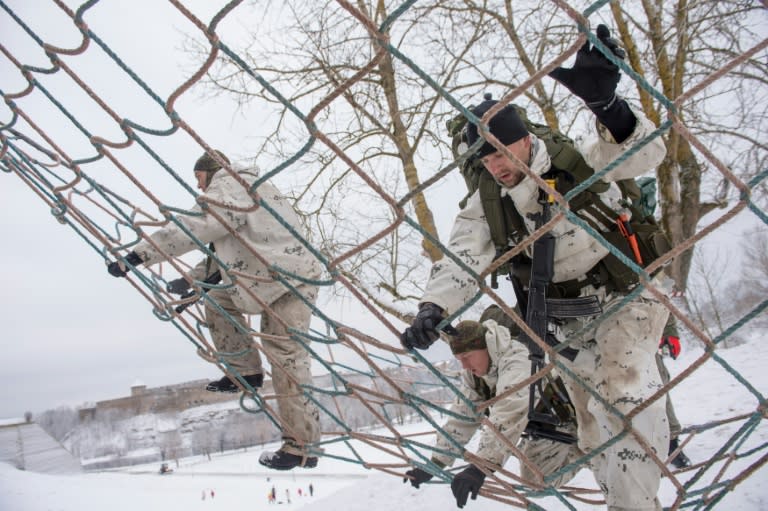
311, 490
258, 234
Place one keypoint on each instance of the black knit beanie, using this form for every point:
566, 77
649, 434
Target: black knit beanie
506, 125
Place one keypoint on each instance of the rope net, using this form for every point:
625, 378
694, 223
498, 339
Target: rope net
91, 182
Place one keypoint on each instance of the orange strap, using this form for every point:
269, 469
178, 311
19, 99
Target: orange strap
626, 230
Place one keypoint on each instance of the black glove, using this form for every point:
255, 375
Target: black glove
417, 477
593, 77
423, 332
115, 270
178, 286
465, 482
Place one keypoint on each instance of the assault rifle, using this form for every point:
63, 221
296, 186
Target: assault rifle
559, 403
538, 310
213, 278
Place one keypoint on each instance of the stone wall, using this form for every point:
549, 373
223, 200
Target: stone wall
166, 399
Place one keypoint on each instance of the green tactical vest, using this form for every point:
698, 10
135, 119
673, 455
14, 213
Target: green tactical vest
568, 168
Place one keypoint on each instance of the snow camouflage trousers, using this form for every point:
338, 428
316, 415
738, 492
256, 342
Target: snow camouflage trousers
674, 424
290, 362
548, 456
619, 363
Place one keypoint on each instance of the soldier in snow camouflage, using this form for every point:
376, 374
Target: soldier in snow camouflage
615, 356
494, 362
247, 238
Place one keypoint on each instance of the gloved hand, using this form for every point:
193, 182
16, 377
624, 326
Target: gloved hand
417, 477
670, 344
115, 270
423, 332
593, 77
465, 482
178, 286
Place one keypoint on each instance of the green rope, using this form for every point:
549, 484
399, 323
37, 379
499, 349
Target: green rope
122, 233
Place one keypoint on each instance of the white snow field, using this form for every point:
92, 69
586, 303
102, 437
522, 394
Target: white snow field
239, 483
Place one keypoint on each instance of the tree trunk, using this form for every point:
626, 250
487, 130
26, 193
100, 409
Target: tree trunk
405, 151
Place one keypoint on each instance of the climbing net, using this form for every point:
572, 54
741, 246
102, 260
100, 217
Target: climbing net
90, 181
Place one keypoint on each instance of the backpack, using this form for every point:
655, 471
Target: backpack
569, 169
646, 203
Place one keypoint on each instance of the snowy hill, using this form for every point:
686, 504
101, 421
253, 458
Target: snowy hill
713, 392
110, 437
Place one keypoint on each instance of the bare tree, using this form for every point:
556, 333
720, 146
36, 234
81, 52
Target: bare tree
706, 299
673, 47
723, 301
676, 47
753, 282
59, 422
204, 441
359, 95
379, 136
172, 445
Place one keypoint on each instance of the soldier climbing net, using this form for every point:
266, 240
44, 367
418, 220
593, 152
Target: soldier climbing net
90, 180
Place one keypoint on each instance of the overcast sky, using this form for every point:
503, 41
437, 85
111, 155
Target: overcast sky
71, 333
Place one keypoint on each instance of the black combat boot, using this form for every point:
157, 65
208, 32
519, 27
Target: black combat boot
282, 460
226, 385
681, 460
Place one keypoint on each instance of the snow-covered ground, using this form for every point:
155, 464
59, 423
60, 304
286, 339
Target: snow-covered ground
238, 482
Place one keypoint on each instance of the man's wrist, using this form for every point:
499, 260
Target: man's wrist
603, 104
617, 117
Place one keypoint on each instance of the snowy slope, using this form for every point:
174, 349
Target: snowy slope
709, 394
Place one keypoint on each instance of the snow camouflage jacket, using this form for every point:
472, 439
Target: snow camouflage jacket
576, 251
509, 366
265, 236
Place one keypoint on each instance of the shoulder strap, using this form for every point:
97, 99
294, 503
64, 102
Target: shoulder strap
566, 158
500, 212
482, 388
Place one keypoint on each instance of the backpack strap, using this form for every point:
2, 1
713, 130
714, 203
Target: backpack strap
501, 215
484, 390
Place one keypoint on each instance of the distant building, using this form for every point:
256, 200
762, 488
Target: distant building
167, 399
